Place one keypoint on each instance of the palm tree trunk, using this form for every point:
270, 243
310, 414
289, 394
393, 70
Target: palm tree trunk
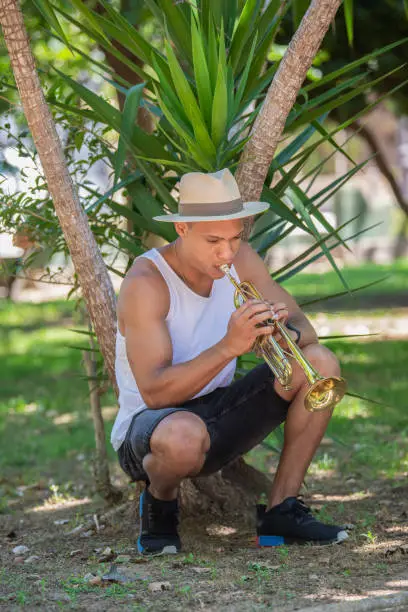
268, 127
89, 265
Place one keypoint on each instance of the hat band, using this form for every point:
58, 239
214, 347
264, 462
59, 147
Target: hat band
210, 209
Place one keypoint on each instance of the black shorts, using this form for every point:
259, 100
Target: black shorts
237, 417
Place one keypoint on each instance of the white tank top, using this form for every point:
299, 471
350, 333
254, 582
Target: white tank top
195, 323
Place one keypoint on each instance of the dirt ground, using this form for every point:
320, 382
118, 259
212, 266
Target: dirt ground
79, 560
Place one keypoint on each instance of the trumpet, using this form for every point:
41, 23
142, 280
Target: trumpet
323, 393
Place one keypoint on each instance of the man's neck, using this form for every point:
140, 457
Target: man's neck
196, 281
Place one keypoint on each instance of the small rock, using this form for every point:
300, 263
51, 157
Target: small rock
20, 550
115, 576
95, 580
122, 559
18, 559
88, 577
75, 552
313, 577
31, 559
201, 570
87, 534
156, 587
58, 596
61, 521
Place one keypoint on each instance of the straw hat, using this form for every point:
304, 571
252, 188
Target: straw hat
211, 197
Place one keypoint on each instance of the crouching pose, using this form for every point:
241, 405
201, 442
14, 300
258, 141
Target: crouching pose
179, 334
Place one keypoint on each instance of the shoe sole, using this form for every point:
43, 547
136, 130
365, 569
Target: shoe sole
268, 541
166, 550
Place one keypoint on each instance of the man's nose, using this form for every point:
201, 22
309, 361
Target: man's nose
227, 252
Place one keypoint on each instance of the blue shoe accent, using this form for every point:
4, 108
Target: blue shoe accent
139, 544
265, 540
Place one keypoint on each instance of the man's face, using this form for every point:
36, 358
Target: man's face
210, 244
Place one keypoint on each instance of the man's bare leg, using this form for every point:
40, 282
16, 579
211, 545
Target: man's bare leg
303, 430
178, 444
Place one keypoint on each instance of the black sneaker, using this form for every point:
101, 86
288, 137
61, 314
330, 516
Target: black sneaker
293, 522
158, 526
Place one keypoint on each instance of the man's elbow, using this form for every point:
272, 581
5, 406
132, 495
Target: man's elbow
153, 399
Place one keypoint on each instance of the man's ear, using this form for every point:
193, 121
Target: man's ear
181, 228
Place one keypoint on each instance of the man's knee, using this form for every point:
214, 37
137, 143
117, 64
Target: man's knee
322, 359
181, 441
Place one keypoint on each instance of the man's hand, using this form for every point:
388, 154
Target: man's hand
246, 324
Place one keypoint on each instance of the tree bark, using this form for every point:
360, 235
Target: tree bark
92, 273
268, 127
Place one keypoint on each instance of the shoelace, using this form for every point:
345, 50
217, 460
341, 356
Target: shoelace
301, 512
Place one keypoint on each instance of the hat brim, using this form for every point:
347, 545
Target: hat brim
250, 209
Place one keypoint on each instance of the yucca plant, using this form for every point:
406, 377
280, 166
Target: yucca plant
205, 90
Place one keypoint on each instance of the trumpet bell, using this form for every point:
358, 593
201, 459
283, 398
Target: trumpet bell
325, 393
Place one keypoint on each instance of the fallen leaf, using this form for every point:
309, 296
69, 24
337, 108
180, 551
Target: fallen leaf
122, 559
156, 587
201, 570
75, 530
107, 554
31, 559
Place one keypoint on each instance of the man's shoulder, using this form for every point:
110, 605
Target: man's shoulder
143, 287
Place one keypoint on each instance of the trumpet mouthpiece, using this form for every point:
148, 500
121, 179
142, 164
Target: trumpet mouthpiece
224, 268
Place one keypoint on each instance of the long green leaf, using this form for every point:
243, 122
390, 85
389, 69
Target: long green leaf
333, 76
349, 292
104, 45
201, 73
89, 17
244, 77
189, 102
135, 176
212, 54
129, 116
298, 200
170, 17
219, 115
326, 108
243, 30
45, 7
194, 150
348, 14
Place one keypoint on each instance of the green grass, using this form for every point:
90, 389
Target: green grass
308, 285
44, 406
370, 441
45, 416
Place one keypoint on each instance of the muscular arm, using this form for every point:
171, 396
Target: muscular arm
251, 267
142, 310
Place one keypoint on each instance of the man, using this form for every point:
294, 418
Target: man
179, 335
